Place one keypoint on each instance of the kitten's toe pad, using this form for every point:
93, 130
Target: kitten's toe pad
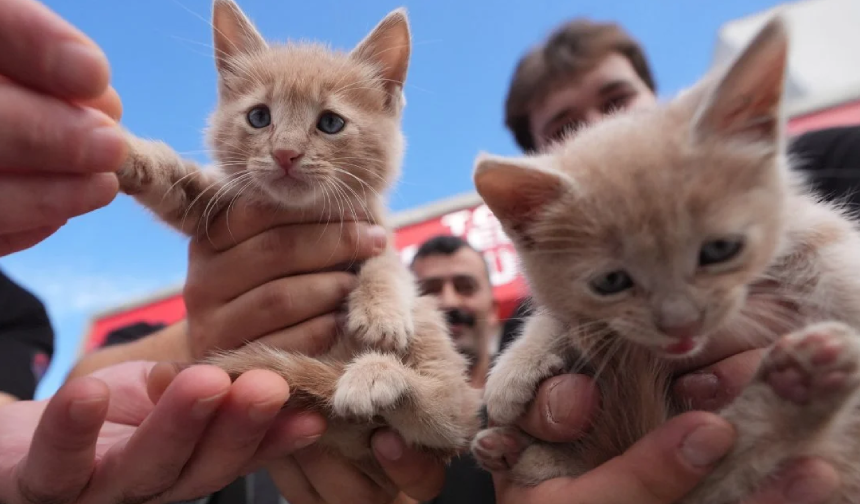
382, 327
814, 363
497, 448
370, 386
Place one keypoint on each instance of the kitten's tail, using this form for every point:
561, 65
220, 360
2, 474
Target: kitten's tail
311, 379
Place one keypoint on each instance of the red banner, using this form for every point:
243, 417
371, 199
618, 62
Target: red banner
477, 225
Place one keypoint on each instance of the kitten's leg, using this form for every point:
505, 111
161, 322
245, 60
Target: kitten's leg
426, 410
307, 376
805, 390
381, 306
177, 190
536, 355
512, 384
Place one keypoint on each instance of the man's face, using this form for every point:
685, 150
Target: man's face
611, 85
459, 282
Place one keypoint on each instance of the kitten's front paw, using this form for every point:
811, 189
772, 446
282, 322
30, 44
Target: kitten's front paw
511, 387
498, 448
381, 326
371, 385
818, 363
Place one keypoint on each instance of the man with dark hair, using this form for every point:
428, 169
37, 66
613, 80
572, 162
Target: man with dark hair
583, 71
26, 341
449, 268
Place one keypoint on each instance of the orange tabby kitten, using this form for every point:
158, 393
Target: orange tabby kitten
306, 127
657, 233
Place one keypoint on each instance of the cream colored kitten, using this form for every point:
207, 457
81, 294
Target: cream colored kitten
306, 127
657, 233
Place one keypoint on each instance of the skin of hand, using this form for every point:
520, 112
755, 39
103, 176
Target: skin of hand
665, 465
146, 432
59, 141
562, 412
256, 275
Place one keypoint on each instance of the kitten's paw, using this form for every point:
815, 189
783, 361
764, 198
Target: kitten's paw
511, 386
381, 326
498, 448
371, 385
815, 364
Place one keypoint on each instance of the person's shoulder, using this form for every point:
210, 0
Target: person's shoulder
827, 148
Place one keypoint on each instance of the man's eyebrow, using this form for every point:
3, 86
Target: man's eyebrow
613, 86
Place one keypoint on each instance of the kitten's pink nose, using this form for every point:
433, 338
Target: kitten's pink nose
682, 331
286, 158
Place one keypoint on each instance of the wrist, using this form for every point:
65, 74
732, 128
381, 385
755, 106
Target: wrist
168, 344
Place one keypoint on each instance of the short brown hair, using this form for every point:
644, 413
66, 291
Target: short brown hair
572, 49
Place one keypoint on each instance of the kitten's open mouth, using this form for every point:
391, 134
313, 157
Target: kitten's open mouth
683, 347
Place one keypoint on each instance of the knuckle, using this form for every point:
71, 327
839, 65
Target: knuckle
31, 495
274, 298
193, 293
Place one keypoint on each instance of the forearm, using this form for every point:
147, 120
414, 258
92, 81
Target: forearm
168, 344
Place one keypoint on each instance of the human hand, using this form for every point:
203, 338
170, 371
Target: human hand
136, 432
276, 278
260, 276
314, 476
564, 406
662, 467
59, 142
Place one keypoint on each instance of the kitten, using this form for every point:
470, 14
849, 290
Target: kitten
306, 127
657, 233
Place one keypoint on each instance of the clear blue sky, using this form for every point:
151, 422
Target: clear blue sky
464, 53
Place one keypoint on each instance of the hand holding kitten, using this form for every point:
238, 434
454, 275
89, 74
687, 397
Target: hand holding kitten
258, 275
56, 158
666, 464
562, 411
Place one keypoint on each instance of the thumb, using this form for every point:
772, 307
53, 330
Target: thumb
61, 458
660, 468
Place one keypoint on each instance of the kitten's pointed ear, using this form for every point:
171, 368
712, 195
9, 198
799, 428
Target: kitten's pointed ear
388, 47
234, 33
747, 99
516, 189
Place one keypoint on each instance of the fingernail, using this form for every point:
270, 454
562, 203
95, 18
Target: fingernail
707, 444
562, 398
304, 442
379, 237
205, 407
76, 66
806, 490
700, 386
104, 150
389, 446
85, 411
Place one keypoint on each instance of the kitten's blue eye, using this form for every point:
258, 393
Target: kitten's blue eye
259, 116
722, 250
330, 123
611, 283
